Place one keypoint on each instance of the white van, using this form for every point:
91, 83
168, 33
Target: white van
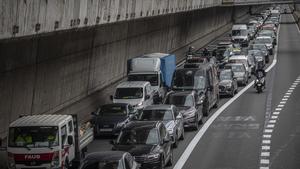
136, 93
241, 59
240, 34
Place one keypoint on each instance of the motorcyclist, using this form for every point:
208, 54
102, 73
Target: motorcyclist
260, 73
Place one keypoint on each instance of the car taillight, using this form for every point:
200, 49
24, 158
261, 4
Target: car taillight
55, 159
11, 161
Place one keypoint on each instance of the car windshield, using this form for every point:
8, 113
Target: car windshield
259, 47
239, 32
254, 52
103, 165
156, 115
181, 100
129, 93
152, 78
188, 81
147, 136
113, 110
265, 34
225, 75
33, 137
237, 68
263, 40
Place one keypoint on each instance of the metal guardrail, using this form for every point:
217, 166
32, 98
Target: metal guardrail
256, 2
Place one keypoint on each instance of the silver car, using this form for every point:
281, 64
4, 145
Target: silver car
170, 116
228, 83
240, 72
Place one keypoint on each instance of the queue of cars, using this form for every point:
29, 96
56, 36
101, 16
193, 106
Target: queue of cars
151, 111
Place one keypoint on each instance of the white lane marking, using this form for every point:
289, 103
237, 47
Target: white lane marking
281, 105
274, 117
267, 136
286, 96
263, 167
285, 99
264, 161
266, 141
270, 125
290, 91
189, 149
283, 102
265, 154
265, 147
292, 88
268, 130
272, 121
278, 109
276, 112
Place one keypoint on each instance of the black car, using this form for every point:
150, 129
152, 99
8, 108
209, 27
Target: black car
148, 141
204, 81
110, 118
109, 160
190, 106
228, 84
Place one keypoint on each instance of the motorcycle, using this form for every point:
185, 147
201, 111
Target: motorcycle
259, 85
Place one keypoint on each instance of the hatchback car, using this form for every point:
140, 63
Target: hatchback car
171, 118
148, 141
267, 40
110, 118
239, 71
189, 104
263, 48
228, 83
109, 160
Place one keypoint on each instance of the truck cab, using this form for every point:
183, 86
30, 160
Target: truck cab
46, 142
136, 93
156, 68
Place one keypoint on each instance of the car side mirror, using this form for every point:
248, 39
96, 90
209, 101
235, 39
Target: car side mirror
147, 97
179, 117
111, 97
70, 140
166, 140
199, 102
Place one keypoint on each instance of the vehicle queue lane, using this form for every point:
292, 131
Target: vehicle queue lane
234, 140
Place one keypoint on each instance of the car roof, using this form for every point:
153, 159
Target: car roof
226, 70
141, 125
132, 84
263, 37
116, 104
40, 120
104, 156
159, 107
239, 64
238, 57
181, 93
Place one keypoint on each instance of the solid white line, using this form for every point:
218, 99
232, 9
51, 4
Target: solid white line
267, 136
276, 112
265, 154
272, 121
268, 131
189, 149
266, 141
264, 161
270, 126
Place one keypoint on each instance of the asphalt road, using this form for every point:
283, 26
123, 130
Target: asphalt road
235, 139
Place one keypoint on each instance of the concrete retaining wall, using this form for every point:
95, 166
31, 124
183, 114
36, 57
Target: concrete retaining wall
30, 17
47, 74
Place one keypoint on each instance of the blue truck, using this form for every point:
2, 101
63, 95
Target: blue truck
157, 68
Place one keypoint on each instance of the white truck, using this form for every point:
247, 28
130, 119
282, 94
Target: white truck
156, 68
47, 142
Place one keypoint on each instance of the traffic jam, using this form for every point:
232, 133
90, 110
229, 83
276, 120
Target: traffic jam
150, 112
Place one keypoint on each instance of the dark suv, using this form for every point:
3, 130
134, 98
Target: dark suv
148, 141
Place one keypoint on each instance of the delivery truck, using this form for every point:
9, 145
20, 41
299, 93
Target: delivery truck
47, 142
156, 68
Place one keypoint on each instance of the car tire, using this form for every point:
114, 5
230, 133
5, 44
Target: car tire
170, 162
175, 144
162, 163
205, 108
182, 135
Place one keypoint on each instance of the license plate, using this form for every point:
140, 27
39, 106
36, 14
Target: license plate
109, 129
258, 84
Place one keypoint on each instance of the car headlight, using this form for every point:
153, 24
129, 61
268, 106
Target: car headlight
153, 156
140, 104
228, 85
11, 161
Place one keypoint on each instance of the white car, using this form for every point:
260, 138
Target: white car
241, 59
